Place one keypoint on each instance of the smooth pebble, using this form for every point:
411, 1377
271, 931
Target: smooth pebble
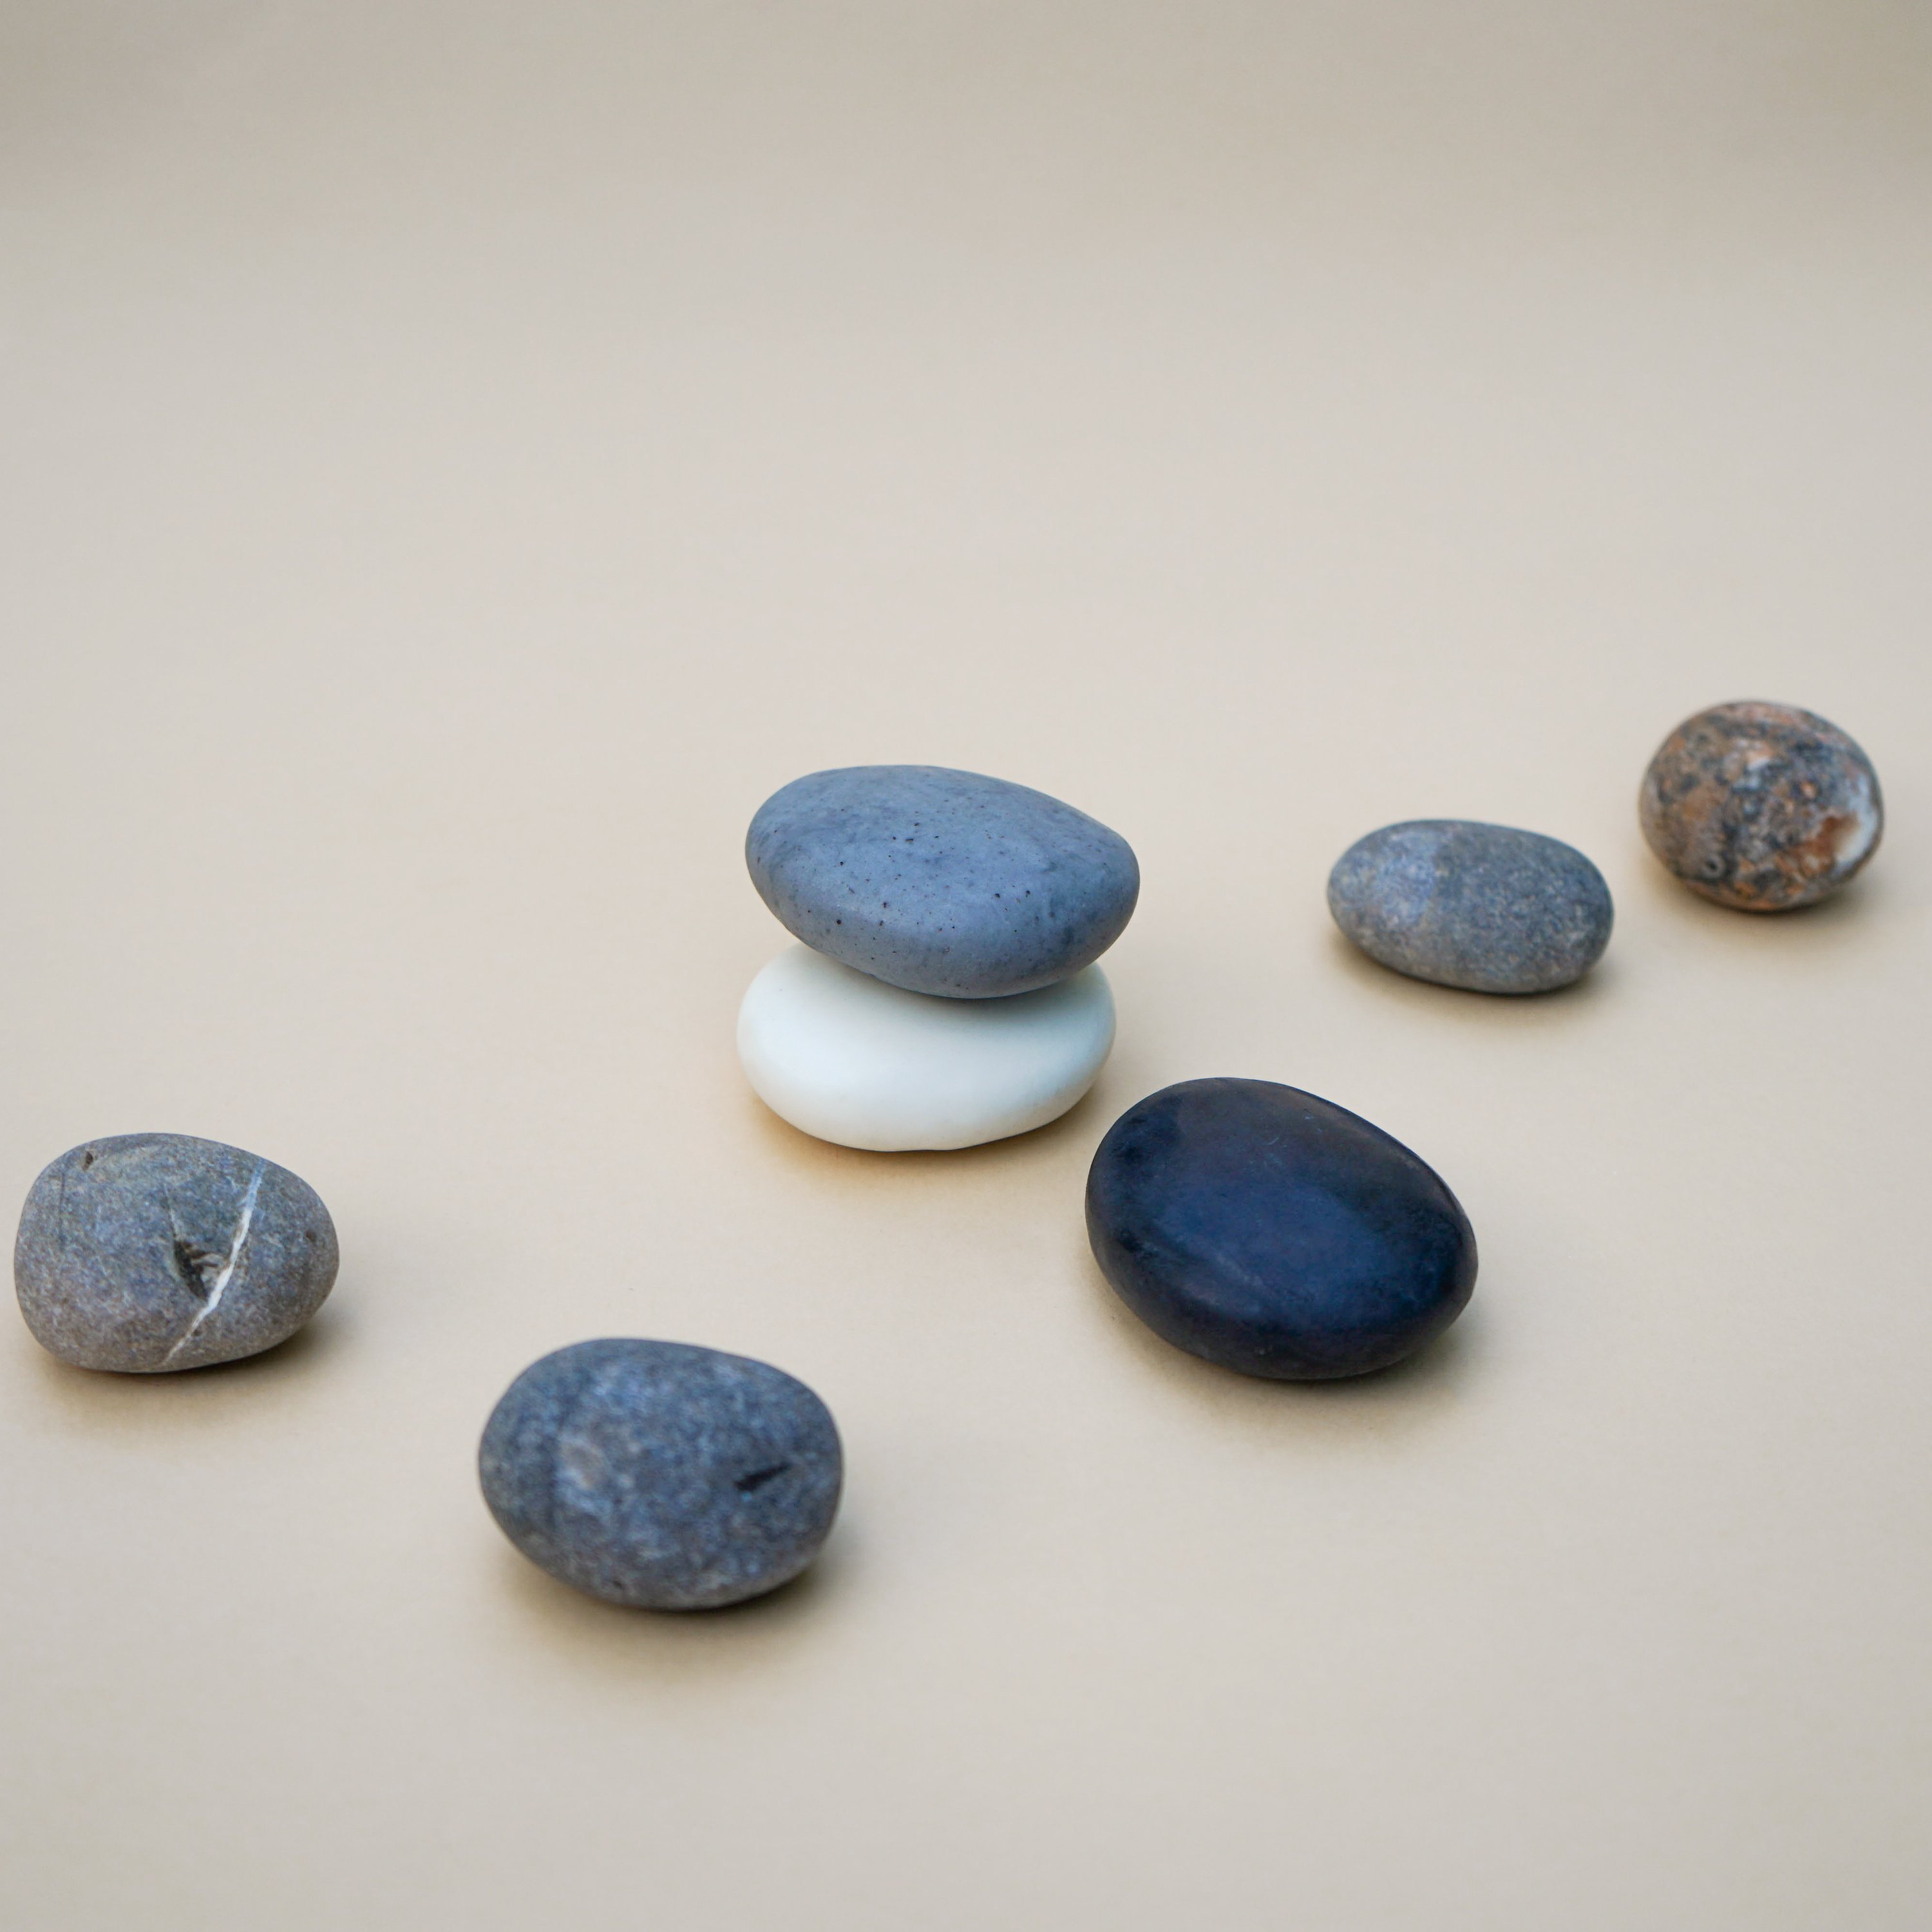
941, 881
845, 1057
1762, 807
1276, 1234
662, 1476
150, 1251
1485, 907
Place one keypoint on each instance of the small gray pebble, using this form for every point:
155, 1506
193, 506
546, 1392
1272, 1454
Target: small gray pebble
661, 1476
1485, 907
942, 881
1761, 807
151, 1252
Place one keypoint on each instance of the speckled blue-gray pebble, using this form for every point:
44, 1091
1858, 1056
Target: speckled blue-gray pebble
662, 1476
1260, 1227
942, 881
149, 1253
1485, 907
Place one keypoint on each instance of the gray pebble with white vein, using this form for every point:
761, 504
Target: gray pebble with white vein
146, 1252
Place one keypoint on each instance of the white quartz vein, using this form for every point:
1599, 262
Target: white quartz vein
222, 1280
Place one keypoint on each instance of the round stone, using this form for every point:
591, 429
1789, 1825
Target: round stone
1272, 1232
1485, 907
941, 881
151, 1252
845, 1057
1763, 807
661, 1476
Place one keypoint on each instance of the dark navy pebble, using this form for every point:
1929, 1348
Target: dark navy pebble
942, 881
661, 1476
147, 1252
1258, 1227
1485, 907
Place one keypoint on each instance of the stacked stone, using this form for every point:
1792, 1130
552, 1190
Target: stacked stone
944, 992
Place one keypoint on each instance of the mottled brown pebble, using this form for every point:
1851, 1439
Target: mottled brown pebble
1763, 807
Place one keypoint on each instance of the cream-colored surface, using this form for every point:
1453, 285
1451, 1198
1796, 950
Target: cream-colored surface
459, 458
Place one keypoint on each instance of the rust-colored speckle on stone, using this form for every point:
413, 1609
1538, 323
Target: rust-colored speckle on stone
1763, 807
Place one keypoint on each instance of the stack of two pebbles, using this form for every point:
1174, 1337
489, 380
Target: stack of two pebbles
944, 992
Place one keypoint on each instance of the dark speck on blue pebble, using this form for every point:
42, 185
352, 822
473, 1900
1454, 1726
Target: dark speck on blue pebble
1274, 1233
662, 1476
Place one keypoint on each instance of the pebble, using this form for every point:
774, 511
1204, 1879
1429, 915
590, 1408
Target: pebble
1763, 807
1276, 1234
661, 1476
1485, 907
941, 881
847, 1058
150, 1251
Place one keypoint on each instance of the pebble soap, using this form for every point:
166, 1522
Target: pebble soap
1259, 1227
940, 881
1485, 907
151, 1252
1763, 807
661, 1476
845, 1057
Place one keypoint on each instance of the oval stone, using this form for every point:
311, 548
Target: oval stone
1260, 1227
662, 1476
144, 1252
847, 1058
941, 881
1762, 807
1485, 907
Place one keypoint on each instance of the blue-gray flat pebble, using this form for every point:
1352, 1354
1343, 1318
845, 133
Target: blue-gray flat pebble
942, 881
662, 1476
1485, 907
151, 1252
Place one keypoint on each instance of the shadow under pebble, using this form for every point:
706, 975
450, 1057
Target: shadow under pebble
682, 1646
1846, 917
1085, 1118
96, 1399
1598, 985
1408, 1395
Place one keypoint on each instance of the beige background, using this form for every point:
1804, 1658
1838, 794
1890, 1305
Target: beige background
460, 457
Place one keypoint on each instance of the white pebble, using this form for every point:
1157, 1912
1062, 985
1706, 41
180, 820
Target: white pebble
848, 1058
